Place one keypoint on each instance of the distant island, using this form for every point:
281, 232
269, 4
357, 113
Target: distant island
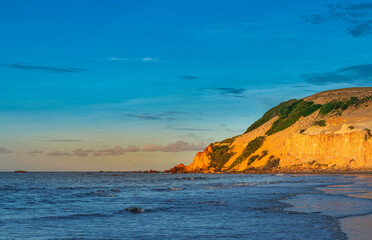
326, 132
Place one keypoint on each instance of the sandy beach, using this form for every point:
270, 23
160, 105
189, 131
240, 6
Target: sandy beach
356, 227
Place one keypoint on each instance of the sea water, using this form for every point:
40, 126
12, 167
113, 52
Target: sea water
176, 206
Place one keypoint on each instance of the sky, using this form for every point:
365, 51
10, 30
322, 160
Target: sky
136, 85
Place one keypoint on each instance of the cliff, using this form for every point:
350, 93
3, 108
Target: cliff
328, 131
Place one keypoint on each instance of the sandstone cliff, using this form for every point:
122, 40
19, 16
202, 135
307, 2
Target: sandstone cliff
328, 131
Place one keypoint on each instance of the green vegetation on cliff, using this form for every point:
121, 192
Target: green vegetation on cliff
229, 140
249, 149
273, 112
219, 156
368, 133
336, 105
252, 159
271, 163
257, 157
320, 123
342, 105
289, 112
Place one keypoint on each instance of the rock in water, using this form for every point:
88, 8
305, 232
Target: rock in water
135, 210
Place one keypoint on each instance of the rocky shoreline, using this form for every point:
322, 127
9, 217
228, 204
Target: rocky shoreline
177, 169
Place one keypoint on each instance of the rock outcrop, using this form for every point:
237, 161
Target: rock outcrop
179, 168
328, 131
201, 160
135, 210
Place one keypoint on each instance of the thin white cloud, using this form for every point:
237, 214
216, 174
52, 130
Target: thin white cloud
148, 59
144, 59
117, 59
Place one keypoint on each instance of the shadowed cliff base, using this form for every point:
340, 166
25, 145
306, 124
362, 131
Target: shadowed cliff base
328, 132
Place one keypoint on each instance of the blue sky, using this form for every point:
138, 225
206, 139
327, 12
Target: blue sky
103, 75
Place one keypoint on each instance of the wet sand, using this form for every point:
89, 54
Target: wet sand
356, 227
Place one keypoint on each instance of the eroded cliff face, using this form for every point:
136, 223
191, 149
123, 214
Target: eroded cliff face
352, 150
201, 161
329, 133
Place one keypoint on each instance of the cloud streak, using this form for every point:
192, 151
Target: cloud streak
58, 154
151, 148
144, 59
178, 146
167, 116
117, 59
34, 152
356, 74
227, 91
23, 66
58, 140
181, 146
148, 59
115, 151
232, 91
356, 16
188, 128
188, 77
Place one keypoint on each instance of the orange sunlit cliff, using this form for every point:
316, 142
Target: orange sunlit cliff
328, 131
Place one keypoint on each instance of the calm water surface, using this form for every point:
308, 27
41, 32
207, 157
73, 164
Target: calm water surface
180, 206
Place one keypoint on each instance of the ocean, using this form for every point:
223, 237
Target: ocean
80, 205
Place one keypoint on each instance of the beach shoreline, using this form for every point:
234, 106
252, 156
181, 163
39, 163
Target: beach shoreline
358, 227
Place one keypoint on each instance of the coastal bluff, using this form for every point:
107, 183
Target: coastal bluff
327, 132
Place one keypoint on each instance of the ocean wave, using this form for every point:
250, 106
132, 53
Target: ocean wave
48, 201
175, 188
214, 203
235, 185
195, 178
98, 193
16, 189
190, 178
9, 188
103, 193
268, 209
147, 210
73, 216
216, 187
70, 188
169, 189
243, 184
